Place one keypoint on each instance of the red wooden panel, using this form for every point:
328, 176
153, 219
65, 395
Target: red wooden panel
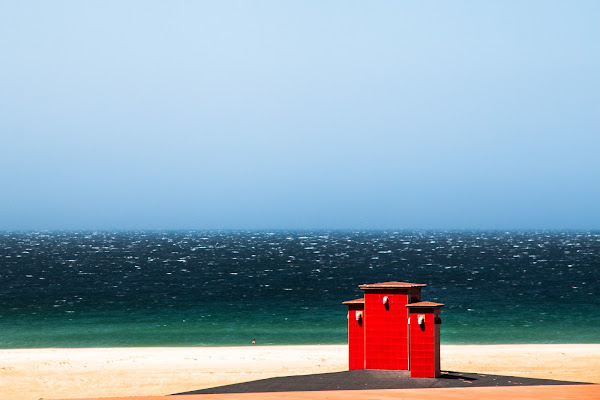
356, 338
424, 343
386, 329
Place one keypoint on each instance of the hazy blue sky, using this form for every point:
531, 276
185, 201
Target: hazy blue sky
299, 114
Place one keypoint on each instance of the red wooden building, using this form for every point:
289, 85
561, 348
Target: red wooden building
391, 328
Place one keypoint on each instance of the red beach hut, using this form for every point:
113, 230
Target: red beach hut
380, 329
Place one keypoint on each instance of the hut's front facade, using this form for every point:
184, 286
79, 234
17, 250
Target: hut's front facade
391, 328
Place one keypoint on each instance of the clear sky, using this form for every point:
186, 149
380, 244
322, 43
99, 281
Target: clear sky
299, 114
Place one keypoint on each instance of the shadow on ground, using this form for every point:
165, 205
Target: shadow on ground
374, 379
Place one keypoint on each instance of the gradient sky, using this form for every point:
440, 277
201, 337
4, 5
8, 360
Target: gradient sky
299, 114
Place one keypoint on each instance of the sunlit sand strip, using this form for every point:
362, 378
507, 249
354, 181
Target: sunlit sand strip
570, 392
87, 373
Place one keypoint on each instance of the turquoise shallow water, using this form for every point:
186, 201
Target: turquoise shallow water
95, 289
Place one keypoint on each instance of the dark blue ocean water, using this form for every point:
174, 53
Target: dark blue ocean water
93, 289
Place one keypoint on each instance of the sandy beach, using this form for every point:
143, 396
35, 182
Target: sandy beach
79, 373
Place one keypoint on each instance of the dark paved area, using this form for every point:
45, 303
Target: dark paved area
374, 379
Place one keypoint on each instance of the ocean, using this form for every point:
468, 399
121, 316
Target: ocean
227, 288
